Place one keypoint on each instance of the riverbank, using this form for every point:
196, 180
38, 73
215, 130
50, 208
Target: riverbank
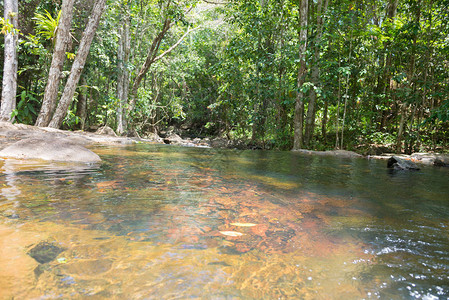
436, 159
19, 141
13, 133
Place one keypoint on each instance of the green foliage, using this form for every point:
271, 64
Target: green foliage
71, 119
440, 114
108, 110
25, 111
236, 75
7, 27
46, 25
381, 138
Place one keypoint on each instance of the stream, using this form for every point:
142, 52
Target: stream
168, 222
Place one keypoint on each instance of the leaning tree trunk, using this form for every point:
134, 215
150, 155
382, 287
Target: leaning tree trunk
299, 106
9, 87
123, 76
150, 59
78, 64
54, 76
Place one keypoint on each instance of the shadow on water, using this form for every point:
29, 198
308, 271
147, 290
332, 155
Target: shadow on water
165, 222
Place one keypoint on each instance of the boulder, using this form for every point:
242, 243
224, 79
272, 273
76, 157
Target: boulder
153, 137
398, 163
441, 161
50, 148
220, 143
106, 130
173, 139
344, 153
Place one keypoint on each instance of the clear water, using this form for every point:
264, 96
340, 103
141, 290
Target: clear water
164, 222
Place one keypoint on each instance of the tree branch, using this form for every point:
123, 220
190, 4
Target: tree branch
216, 3
174, 45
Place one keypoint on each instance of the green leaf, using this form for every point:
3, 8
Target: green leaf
46, 25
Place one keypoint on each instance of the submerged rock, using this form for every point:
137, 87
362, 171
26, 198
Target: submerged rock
92, 267
45, 252
398, 163
50, 148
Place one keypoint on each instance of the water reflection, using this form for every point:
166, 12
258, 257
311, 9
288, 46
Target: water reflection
10, 189
166, 222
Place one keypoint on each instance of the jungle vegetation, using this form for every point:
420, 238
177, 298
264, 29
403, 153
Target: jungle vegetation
274, 74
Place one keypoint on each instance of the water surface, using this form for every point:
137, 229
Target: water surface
164, 222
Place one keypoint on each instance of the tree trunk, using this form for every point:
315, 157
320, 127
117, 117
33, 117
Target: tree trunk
123, 76
257, 112
410, 79
281, 107
385, 77
9, 87
311, 110
392, 9
346, 91
299, 106
152, 58
78, 64
324, 123
81, 106
54, 76
401, 128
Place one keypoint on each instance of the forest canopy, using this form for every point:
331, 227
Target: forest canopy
284, 74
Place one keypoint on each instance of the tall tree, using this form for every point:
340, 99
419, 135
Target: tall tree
78, 64
152, 54
311, 109
9, 87
152, 57
410, 76
81, 105
386, 63
299, 104
54, 76
123, 74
